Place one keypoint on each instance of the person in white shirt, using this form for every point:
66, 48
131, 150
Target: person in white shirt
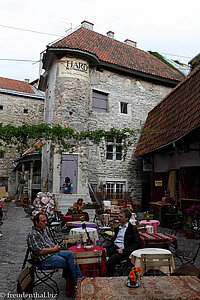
124, 242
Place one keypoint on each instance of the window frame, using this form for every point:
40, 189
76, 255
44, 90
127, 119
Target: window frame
96, 101
115, 153
113, 186
128, 106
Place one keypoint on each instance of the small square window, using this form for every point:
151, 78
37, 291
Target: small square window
1, 154
124, 108
1, 107
25, 110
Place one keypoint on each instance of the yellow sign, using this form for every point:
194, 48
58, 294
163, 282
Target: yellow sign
158, 183
73, 67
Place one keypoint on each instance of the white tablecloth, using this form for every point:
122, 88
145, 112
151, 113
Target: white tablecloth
92, 233
135, 258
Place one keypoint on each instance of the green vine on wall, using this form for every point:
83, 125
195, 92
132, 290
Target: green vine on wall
156, 54
26, 135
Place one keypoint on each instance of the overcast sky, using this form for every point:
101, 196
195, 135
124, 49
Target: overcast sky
169, 27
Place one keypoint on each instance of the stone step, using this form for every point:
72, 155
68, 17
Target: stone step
65, 201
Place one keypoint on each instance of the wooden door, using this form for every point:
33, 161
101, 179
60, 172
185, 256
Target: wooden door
69, 168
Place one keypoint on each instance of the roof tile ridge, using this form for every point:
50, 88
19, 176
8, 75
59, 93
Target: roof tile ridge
192, 73
16, 80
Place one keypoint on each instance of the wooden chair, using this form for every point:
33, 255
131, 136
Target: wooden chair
156, 243
25, 282
141, 228
151, 261
90, 257
69, 241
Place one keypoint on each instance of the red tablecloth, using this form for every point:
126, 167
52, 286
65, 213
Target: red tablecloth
95, 272
66, 219
167, 236
84, 268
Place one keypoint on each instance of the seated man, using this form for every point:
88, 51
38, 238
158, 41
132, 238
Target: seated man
125, 241
46, 253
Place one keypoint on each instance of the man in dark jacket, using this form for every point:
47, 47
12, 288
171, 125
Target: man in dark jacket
125, 241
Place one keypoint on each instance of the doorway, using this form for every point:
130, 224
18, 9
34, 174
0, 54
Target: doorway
69, 168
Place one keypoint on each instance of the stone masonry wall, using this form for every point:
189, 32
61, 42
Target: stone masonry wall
142, 97
73, 107
13, 113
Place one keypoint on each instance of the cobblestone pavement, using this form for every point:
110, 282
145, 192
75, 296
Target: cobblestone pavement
185, 245
13, 248
15, 229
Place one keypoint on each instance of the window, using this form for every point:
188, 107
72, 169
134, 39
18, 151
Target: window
25, 110
115, 187
1, 107
114, 149
99, 101
124, 108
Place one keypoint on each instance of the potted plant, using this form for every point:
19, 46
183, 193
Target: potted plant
193, 212
134, 277
188, 228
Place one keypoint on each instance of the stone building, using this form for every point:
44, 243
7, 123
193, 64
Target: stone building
92, 81
20, 102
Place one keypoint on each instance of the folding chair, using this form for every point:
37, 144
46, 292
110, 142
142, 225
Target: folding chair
187, 257
43, 274
86, 258
150, 261
108, 234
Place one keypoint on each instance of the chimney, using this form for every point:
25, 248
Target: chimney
110, 34
87, 25
130, 43
27, 80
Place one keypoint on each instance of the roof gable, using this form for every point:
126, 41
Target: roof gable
111, 51
175, 116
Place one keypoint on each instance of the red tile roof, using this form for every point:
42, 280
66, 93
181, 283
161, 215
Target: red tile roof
175, 116
16, 85
117, 53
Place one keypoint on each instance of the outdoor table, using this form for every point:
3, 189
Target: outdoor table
76, 224
151, 287
66, 219
169, 238
153, 223
135, 258
80, 231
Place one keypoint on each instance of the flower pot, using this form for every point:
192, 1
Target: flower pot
189, 233
132, 284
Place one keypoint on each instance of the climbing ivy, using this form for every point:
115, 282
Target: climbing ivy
26, 135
